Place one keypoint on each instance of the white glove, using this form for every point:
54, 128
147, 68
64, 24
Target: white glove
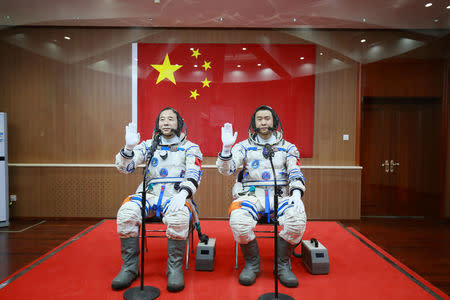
228, 139
132, 137
296, 199
177, 202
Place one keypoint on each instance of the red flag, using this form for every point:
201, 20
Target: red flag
211, 84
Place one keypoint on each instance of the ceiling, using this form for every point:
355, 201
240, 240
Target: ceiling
359, 14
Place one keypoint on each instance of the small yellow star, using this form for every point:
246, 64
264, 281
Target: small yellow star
206, 82
194, 94
195, 53
207, 65
166, 70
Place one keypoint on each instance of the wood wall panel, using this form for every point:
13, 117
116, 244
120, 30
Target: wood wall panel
333, 193
99, 192
403, 78
447, 172
69, 101
335, 110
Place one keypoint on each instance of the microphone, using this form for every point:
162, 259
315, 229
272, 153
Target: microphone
268, 151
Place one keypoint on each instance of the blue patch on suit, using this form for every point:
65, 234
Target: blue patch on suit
163, 172
154, 162
266, 175
255, 164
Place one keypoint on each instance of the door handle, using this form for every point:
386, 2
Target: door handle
386, 166
393, 164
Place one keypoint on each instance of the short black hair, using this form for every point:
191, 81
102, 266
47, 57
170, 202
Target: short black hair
180, 121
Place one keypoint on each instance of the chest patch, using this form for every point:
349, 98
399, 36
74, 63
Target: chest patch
154, 162
255, 164
266, 175
163, 172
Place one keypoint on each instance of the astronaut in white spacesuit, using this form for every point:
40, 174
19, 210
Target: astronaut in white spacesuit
173, 177
253, 192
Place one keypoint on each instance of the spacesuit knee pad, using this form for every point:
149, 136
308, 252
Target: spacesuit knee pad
294, 225
242, 224
129, 219
177, 223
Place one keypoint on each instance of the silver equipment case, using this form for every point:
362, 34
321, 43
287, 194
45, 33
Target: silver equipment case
315, 257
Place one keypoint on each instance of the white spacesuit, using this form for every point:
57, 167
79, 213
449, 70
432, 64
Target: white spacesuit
173, 176
254, 192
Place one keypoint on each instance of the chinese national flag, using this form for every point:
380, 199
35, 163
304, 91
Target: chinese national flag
212, 84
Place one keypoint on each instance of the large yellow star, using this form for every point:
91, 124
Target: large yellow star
166, 70
195, 53
206, 82
194, 94
207, 65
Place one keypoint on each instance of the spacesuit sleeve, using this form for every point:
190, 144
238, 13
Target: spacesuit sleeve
127, 163
193, 173
228, 165
295, 175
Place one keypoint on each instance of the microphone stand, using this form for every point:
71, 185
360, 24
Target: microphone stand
144, 292
269, 153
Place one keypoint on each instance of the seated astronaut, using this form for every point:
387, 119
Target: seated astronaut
254, 191
173, 177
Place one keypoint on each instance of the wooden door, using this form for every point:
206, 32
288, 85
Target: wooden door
400, 155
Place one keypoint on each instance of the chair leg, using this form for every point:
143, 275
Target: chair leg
236, 255
192, 240
187, 249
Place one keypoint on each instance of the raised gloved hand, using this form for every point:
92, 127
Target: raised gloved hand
177, 202
228, 139
132, 137
296, 199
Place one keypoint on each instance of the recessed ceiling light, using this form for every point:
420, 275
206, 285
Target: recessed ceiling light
321, 53
67, 37
302, 58
448, 7
244, 48
221, 19
195, 66
428, 4
363, 40
238, 66
364, 20
436, 20
259, 65
294, 20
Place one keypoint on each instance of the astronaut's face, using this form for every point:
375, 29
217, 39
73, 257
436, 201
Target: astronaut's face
168, 123
263, 122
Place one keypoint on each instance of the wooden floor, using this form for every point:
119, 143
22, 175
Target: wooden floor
422, 245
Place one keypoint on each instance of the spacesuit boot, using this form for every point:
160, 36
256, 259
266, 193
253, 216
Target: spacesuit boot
130, 263
176, 250
250, 252
287, 278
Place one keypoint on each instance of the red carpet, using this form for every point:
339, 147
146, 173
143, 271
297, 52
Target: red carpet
83, 268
